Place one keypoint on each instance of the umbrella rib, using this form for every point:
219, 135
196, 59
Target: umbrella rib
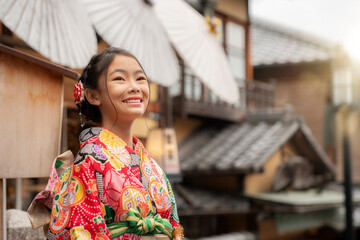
48, 18
172, 70
9, 9
99, 8
103, 29
106, 14
57, 42
21, 15
63, 33
79, 48
31, 21
42, 6
22, 28
121, 32
226, 76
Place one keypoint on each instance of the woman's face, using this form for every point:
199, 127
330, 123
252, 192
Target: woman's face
128, 89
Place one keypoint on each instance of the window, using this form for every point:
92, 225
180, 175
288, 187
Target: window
235, 47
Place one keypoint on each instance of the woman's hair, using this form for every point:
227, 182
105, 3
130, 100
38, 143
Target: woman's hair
97, 67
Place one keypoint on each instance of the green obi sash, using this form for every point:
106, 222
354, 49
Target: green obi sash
136, 224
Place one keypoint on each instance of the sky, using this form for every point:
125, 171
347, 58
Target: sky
335, 21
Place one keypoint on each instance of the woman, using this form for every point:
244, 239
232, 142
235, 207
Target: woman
113, 189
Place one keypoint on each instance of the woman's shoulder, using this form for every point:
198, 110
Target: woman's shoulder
89, 133
90, 152
90, 146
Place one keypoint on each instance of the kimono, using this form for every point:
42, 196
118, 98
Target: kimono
93, 196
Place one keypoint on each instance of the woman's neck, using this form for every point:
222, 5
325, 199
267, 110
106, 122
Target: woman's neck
124, 131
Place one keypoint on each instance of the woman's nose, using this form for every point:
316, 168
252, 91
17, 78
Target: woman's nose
134, 87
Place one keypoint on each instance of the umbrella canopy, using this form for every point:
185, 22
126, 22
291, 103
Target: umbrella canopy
59, 29
132, 25
198, 46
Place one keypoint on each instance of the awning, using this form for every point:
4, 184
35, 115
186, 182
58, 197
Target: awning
301, 201
299, 210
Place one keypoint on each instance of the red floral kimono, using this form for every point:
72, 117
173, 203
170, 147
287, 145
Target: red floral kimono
106, 179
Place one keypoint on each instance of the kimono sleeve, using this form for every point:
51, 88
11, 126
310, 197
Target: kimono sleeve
174, 217
76, 210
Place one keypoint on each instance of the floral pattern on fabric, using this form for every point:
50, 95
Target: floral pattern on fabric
106, 179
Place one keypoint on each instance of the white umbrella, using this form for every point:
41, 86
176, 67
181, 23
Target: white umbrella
58, 29
132, 25
200, 49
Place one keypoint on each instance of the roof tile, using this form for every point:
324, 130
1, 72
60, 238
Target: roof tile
244, 147
272, 46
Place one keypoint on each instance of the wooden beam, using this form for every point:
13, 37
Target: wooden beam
45, 64
13, 42
182, 81
185, 195
204, 212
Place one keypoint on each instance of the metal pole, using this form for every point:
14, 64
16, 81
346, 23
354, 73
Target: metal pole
349, 234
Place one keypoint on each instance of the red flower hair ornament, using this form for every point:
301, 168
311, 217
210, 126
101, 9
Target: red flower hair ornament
79, 93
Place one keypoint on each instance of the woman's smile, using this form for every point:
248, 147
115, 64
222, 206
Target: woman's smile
133, 101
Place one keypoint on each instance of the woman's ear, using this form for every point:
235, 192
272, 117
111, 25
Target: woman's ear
93, 96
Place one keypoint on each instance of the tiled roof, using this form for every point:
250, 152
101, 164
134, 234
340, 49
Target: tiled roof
245, 147
271, 45
207, 201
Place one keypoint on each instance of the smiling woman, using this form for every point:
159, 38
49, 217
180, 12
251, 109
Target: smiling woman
113, 189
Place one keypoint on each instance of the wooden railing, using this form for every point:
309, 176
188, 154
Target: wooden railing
191, 97
260, 95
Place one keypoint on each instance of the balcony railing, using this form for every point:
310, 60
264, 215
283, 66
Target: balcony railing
191, 97
260, 95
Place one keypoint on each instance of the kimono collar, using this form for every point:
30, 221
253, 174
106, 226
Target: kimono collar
93, 135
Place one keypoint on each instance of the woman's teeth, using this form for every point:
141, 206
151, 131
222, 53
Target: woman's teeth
133, 101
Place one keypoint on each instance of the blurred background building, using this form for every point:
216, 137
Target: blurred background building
266, 166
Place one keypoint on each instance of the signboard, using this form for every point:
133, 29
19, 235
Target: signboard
162, 147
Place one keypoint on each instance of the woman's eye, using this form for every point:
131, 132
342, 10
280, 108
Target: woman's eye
119, 78
141, 78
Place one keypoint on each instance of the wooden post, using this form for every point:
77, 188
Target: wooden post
182, 81
3, 209
18, 194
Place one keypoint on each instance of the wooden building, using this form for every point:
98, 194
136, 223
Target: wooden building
310, 75
242, 160
301, 67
